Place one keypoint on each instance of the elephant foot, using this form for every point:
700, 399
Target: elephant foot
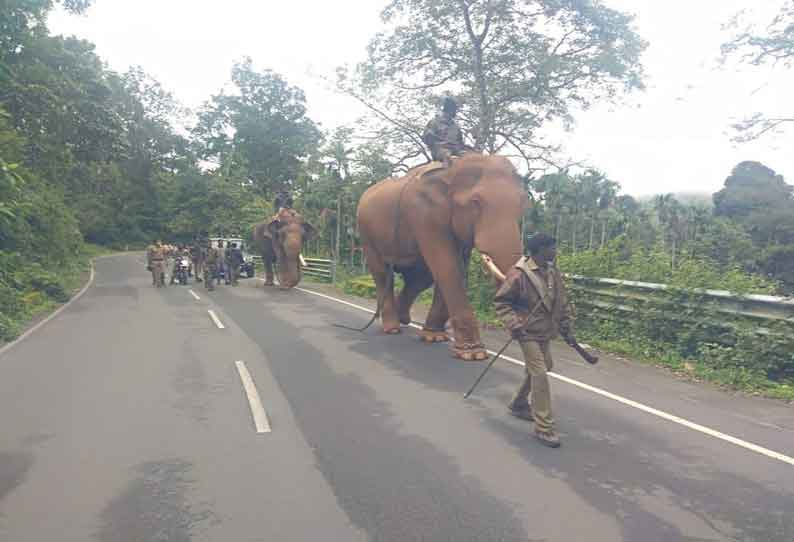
392, 330
433, 336
269, 283
469, 352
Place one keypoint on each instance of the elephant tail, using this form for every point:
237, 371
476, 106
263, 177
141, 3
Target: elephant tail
379, 306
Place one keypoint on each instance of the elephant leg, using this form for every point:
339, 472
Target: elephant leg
384, 284
267, 261
434, 330
444, 259
417, 280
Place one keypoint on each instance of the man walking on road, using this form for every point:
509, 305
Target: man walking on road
210, 267
220, 265
533, 305
234, 259
197, 257
155, 262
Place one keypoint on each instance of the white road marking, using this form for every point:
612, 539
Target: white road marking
257, 410
216, 319
623, 400
195, 296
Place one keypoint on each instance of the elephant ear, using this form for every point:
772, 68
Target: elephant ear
308, 231
273, 227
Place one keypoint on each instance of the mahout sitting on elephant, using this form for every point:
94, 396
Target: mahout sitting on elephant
424, 226
279, 241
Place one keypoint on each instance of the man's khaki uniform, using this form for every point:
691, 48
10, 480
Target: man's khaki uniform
155, 260
210, 267
533, 305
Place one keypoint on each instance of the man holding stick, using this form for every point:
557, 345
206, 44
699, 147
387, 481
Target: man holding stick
533, 305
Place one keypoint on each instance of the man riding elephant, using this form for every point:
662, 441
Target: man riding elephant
424, 226
443, 135
280, 241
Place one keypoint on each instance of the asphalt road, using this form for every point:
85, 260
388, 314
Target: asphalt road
125, 419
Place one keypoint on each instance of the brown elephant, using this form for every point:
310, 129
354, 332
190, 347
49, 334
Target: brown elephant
279, 241
424, 226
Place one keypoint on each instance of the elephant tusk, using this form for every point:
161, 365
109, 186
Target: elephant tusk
491, 267
302, 260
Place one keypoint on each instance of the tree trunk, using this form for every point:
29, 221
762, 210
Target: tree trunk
604, 232
337, 256
559, 224
592, 233
573, 233
672, 255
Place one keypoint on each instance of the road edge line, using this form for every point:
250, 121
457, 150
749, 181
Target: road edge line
618, 398
194, 294
258, 413
7, 347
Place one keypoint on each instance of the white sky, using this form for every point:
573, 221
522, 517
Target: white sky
674, 137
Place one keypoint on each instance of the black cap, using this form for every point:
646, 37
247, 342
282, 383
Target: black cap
449, 105
538, 241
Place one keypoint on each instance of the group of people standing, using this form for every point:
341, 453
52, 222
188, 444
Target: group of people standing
209, 263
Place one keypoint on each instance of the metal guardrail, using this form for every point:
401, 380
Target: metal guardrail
623, 295
318, 268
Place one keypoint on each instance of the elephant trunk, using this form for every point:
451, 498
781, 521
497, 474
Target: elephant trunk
500, 246
290, 267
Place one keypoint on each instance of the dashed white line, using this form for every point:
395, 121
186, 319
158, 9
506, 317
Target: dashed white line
257, 410
195, 295
216, 319
623, 400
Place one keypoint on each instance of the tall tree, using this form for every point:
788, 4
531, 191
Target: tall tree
265, 120
513, 64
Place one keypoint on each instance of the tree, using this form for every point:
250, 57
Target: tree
513, 65
265, 120
773, 43
752, 189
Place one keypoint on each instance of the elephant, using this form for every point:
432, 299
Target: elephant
280, 241
424, 226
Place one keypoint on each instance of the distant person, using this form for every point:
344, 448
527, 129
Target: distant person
155, 262
221, 263
234, 259
533, 305
197, 258
283, 201
443, 135
210, 266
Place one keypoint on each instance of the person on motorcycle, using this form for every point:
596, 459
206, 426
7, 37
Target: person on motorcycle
179, 254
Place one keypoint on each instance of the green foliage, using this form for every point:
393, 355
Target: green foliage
513, 65
264, 123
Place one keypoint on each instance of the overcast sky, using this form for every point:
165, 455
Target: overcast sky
673, 137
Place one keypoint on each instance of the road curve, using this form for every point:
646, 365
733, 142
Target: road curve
129, 418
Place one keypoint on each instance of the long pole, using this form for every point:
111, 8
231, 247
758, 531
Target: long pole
466, 395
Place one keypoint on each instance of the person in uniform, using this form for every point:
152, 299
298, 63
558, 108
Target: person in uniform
210, 266
155, 262
221, 263
533, 305
197, 258
234, 259
443, 135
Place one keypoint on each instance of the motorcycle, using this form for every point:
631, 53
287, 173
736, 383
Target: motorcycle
182, 270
